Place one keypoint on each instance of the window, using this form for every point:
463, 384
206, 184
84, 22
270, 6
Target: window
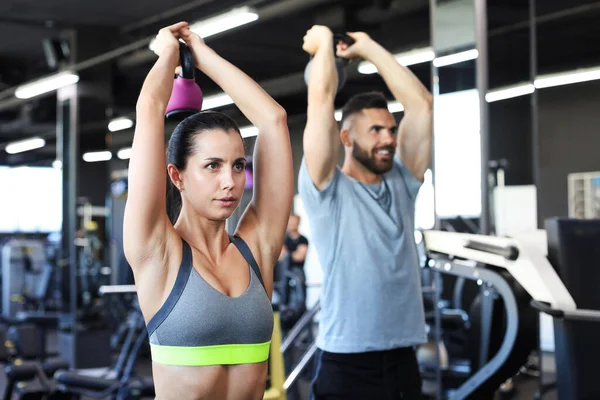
30, 199
457, 154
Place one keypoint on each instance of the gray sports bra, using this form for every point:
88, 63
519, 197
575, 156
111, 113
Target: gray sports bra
198, 325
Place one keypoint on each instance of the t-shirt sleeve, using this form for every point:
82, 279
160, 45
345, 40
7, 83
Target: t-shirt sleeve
302, 240
412, 183
313, 199
287, 242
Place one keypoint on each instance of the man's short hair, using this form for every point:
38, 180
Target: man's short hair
361, 101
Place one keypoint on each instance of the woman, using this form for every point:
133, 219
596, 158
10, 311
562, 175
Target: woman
205, 295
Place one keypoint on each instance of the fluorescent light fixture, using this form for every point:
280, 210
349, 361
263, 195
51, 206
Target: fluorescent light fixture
567, 78
456, 58
25, 145
45, 85
119, 124
57, 164
96, 156
249, 131
216, 100
509, 92
393, 106
222, 22
412, 57
124, 154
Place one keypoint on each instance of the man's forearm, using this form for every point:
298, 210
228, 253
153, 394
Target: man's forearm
322, 81
321, 137
403, 84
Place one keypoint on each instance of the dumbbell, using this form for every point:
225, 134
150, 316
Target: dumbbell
340, 63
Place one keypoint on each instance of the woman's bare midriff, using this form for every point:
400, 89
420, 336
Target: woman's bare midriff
233, 382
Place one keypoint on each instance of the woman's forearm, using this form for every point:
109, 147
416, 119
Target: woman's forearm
158, 85
248, 96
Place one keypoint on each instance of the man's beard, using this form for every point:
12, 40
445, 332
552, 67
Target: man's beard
370, 162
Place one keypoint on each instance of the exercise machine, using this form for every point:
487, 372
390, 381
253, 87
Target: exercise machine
26, 276
501, 332
26, 377
525, 257
121, 383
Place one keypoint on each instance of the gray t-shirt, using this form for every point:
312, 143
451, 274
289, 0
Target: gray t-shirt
364, 236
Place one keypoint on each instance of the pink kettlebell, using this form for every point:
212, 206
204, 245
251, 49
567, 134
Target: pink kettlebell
186, 97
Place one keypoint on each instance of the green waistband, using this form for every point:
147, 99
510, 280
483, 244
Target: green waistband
225, 354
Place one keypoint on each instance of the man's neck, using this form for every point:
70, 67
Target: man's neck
356, 170
294, 234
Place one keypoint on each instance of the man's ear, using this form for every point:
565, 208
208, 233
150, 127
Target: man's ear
345, 137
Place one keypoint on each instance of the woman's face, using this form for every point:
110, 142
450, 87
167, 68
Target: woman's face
215, 176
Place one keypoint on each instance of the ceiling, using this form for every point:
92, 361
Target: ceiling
269, 50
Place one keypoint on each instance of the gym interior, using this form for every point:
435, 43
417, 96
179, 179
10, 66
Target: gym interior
507, 219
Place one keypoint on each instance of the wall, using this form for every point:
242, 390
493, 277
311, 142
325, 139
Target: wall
93, 181
568, 142
510, 138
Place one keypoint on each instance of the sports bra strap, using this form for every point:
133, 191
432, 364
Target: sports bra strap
247, 254
185, 268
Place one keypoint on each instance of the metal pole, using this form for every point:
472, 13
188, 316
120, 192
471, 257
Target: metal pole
300, 367
435, 91
535, 155
535, 139
300, 326
68, 149
438, 334
482, 87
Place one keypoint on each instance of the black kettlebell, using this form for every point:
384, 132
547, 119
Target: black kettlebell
340, 63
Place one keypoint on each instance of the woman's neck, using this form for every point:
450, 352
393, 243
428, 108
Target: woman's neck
207, 236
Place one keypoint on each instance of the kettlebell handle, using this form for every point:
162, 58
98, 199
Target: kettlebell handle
187, 61
342, 37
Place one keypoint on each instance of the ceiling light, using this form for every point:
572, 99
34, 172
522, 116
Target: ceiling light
25, 145
456, 58
393, 107
215, 101
509, 92
124, 154
119, 124
96, 156
249, 131
412, 57
222, 22
45, 85
566, 78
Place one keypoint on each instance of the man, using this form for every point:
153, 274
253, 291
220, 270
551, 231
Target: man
294, 244
362, 224
291, 263
291, 260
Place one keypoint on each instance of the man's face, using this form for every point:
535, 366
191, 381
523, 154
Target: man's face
374, 138
293, 223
